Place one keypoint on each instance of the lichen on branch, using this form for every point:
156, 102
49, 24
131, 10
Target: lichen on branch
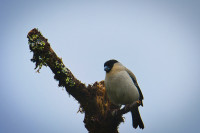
36, 45
43, 55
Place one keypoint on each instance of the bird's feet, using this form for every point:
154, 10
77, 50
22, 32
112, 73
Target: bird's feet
136, 103
139, 102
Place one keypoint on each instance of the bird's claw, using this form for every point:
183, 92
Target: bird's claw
139, 102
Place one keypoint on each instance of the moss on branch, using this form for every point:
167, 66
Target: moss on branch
43, 55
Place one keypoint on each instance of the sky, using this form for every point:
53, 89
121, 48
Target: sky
159, 41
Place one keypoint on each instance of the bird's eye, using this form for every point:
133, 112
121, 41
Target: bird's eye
106, 68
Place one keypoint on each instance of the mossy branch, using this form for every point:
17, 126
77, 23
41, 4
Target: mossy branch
93, 100
43, 55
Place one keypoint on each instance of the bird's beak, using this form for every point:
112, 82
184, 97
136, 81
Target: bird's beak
106, 68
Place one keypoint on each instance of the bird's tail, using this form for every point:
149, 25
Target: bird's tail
136, 118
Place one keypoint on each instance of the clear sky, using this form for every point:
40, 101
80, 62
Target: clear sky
158, 40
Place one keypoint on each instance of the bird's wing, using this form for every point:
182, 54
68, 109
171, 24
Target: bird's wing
135, 82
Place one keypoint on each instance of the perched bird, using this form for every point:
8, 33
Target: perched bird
122, 88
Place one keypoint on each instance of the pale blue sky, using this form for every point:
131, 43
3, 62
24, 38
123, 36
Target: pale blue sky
158, 40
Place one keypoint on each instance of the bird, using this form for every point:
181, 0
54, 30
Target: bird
122, 88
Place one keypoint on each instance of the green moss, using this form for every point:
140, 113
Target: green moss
33, 37
36, 45
70, 82
62, 70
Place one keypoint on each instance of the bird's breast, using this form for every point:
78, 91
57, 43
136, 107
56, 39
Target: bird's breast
120, 88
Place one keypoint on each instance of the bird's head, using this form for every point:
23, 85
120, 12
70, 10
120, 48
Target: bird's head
109, 64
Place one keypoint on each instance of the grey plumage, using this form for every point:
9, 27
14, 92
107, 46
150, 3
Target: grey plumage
122, 88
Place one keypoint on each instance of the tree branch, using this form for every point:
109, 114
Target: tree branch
126, 109
43, 55
92, 98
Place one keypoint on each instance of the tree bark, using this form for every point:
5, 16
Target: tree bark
101, 116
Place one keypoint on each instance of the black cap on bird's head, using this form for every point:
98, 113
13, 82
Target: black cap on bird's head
109, 64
